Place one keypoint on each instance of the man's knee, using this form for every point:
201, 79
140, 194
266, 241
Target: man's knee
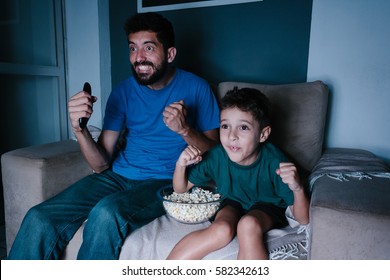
39, 217
105, 210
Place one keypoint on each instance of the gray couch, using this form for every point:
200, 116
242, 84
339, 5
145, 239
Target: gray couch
350, 203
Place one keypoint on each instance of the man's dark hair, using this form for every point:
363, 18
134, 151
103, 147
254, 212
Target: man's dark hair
155, 23
249, 100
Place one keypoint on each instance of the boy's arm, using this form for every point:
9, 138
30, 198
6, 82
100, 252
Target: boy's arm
180, 181
300, 209
190, 155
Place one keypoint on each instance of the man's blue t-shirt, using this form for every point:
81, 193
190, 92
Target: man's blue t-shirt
152, 149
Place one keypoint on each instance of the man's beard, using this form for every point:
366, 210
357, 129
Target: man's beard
159, 72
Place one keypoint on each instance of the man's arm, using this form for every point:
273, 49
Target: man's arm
175, 120
98, 155
204, 141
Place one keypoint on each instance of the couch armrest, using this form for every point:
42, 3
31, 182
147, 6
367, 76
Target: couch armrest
350, 206
33, 174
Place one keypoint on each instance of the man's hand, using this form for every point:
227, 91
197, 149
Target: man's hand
80, 106
175, 118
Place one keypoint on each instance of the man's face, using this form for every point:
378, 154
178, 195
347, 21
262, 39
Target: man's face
147, 57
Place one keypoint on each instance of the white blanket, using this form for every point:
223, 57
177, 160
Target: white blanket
155, 240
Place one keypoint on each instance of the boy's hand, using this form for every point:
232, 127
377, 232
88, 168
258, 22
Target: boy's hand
289, 174
190, 155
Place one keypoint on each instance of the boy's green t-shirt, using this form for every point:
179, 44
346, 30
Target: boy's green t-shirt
257, 182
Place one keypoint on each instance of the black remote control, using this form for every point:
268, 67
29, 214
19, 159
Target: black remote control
83, 121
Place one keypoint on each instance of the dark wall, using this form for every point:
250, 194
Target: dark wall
265, 42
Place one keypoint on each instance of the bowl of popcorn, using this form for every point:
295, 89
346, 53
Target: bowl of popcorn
195, 206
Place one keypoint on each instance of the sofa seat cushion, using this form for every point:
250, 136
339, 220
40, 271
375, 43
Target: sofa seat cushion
155, 240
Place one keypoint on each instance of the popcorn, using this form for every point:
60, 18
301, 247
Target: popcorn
192, 207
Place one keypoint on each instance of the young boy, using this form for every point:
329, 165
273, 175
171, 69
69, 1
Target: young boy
255, 178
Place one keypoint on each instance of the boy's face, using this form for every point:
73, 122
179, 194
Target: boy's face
240, 135
148, 58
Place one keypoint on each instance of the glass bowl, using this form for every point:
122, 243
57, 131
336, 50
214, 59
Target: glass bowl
195, 206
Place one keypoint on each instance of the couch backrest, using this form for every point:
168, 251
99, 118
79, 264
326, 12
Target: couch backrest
298, 119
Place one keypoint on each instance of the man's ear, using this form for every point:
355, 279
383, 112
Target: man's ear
265, 134
171, 54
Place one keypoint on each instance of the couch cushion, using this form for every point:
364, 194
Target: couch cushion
350, 219
33, 174
298, 119
350, 203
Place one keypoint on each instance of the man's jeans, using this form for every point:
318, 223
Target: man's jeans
113, 205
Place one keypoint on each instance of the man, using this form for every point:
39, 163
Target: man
160, 110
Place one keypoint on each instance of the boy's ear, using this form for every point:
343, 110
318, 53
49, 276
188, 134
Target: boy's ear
265, 134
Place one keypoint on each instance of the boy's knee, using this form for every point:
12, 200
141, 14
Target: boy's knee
249, 224
223, 232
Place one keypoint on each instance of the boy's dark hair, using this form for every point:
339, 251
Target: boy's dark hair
152, 22
249, 100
